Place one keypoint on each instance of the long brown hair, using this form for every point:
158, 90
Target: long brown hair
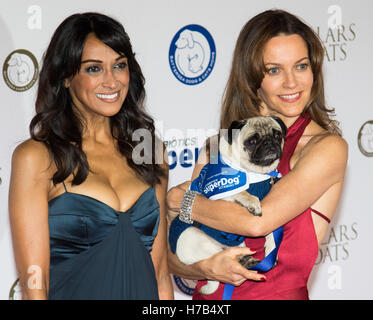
240, 100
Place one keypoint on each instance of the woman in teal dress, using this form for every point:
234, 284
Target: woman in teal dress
87, 203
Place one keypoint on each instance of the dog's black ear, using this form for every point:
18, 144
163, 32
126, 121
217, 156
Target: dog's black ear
235, 125
284, 129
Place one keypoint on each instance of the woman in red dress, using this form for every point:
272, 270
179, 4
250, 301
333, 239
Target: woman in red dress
276, 70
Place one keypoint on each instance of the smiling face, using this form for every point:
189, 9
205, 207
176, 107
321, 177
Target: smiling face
286, 86
101, 85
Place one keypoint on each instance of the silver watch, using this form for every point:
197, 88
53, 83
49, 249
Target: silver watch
186, 206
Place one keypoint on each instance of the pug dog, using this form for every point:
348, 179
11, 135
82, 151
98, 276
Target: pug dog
254, 145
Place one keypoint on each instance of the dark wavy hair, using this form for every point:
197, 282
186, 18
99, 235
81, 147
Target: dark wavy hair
59, 127
240, 100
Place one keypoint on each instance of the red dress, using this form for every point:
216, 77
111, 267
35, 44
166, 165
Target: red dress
297, 253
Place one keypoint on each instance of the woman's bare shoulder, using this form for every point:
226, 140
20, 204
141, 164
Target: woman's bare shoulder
325, 151
32, 155
315, 138
319, 138
30, 150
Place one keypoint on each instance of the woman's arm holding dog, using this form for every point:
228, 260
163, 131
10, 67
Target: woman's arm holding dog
316, 180
223, 266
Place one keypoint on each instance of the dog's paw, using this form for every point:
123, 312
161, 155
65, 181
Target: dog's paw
255, 209
249, 201
209, 288
248, 261
253, 206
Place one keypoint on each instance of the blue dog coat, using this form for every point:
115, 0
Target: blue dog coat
219, 180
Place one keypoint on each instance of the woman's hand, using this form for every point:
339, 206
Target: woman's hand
224, 267
175, 197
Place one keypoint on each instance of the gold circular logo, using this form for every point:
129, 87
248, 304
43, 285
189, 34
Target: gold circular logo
365, 139
15, 291
20, 70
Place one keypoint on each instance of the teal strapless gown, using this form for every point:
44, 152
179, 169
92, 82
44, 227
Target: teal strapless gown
97, 252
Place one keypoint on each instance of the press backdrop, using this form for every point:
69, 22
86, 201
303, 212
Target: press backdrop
184, 96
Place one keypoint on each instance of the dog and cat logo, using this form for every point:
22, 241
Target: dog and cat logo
192, 54
20, 70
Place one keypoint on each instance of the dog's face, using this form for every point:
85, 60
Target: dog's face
255, 144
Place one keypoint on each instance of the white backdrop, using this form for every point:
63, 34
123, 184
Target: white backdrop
185, 113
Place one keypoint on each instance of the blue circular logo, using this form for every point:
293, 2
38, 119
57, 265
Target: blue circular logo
192, 54
185, 285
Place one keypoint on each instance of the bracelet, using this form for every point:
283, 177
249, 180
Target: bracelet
186, 206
